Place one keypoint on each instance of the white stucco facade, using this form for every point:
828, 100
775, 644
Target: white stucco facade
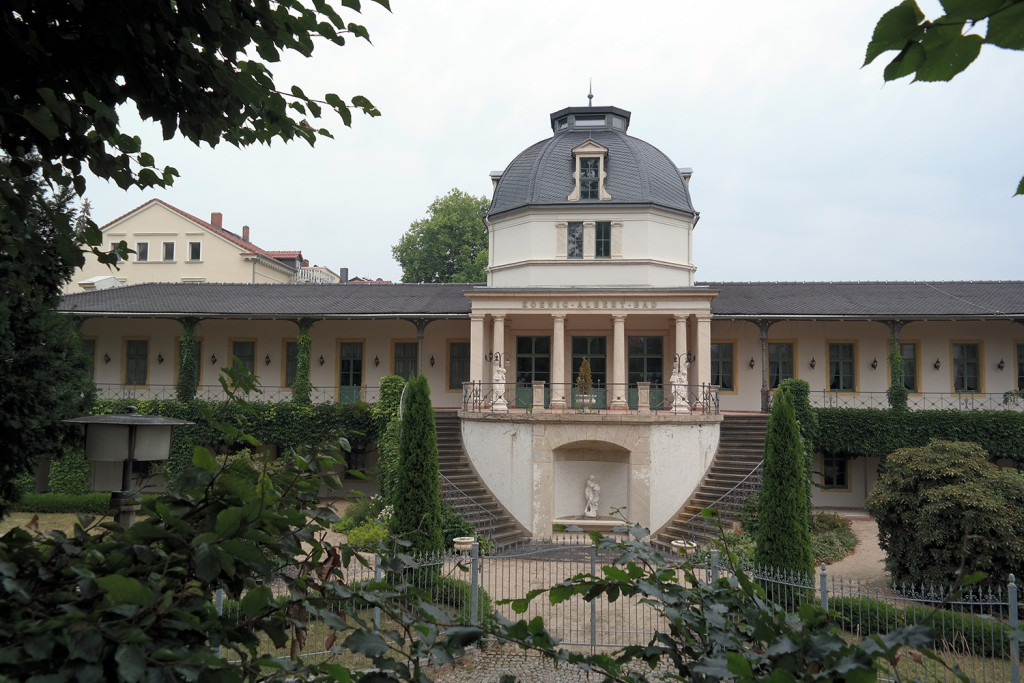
537, 464
173, 246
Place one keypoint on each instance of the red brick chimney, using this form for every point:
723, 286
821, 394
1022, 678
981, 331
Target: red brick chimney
305, 263
245, 233
217, 219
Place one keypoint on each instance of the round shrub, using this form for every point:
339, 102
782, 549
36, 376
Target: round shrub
943, 509
368, 535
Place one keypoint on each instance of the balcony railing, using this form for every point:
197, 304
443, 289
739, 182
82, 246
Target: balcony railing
924, 401
479, 397
215, 392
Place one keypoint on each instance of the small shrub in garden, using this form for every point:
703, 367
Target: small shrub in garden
453, 525
368, 535
357, 512
456, 593
832, 537
945, 509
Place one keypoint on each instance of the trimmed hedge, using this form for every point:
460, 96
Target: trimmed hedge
852, 432
978, 635
85, 503
69, 474
285, 424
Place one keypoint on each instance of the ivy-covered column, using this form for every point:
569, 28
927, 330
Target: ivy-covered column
897, 392
188, 363
302, 386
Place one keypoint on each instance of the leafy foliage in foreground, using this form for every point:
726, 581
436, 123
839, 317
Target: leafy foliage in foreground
944, 510
113, 604
939, 49
725, 630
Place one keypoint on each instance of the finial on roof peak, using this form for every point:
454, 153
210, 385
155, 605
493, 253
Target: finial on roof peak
590, 94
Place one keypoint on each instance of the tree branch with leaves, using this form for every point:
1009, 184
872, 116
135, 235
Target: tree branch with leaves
939, 49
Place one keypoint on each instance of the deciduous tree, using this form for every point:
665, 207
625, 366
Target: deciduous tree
199, 69
449, 245
43, 373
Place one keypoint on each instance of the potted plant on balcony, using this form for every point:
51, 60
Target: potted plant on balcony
585, 397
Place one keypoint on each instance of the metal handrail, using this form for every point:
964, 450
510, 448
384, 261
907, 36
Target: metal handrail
726, 504
460, 501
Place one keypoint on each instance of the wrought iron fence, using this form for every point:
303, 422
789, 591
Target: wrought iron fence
923, 401
972, 628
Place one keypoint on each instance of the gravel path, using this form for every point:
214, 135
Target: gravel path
867, 561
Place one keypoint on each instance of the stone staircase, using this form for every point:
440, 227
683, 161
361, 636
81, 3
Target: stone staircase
740, 452
462, 489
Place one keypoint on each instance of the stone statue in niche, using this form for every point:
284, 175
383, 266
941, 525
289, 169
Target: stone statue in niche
593, 496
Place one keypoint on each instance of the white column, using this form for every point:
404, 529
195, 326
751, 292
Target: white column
476, 348
498, 346
559, 388
619, 389
680, 373
681, 338
703, 351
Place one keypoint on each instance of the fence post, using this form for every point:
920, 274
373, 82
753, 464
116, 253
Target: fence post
824, 587
593, 603
474, 584
1011, 599
714, 565
219, 602
376, 577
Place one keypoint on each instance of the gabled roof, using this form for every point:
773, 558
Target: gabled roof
247, 247
868, 300
267, 301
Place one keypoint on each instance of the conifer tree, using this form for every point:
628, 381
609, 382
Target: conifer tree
417, 498
783, 537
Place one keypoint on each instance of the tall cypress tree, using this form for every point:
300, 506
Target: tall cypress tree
417, 498
783, 536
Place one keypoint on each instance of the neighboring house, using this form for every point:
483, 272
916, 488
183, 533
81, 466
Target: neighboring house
171, 245
318, 274
590, 258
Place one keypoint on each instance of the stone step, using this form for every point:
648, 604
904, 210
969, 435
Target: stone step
484, 511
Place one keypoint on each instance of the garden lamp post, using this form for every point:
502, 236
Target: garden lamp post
126, 438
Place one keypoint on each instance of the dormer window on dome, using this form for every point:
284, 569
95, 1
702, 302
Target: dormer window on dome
591, 161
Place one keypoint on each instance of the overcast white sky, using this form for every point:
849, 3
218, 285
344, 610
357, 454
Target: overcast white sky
806, 167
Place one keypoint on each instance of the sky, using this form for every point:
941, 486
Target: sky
806, 166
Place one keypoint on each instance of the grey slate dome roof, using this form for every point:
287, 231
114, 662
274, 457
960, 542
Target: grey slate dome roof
639, 174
